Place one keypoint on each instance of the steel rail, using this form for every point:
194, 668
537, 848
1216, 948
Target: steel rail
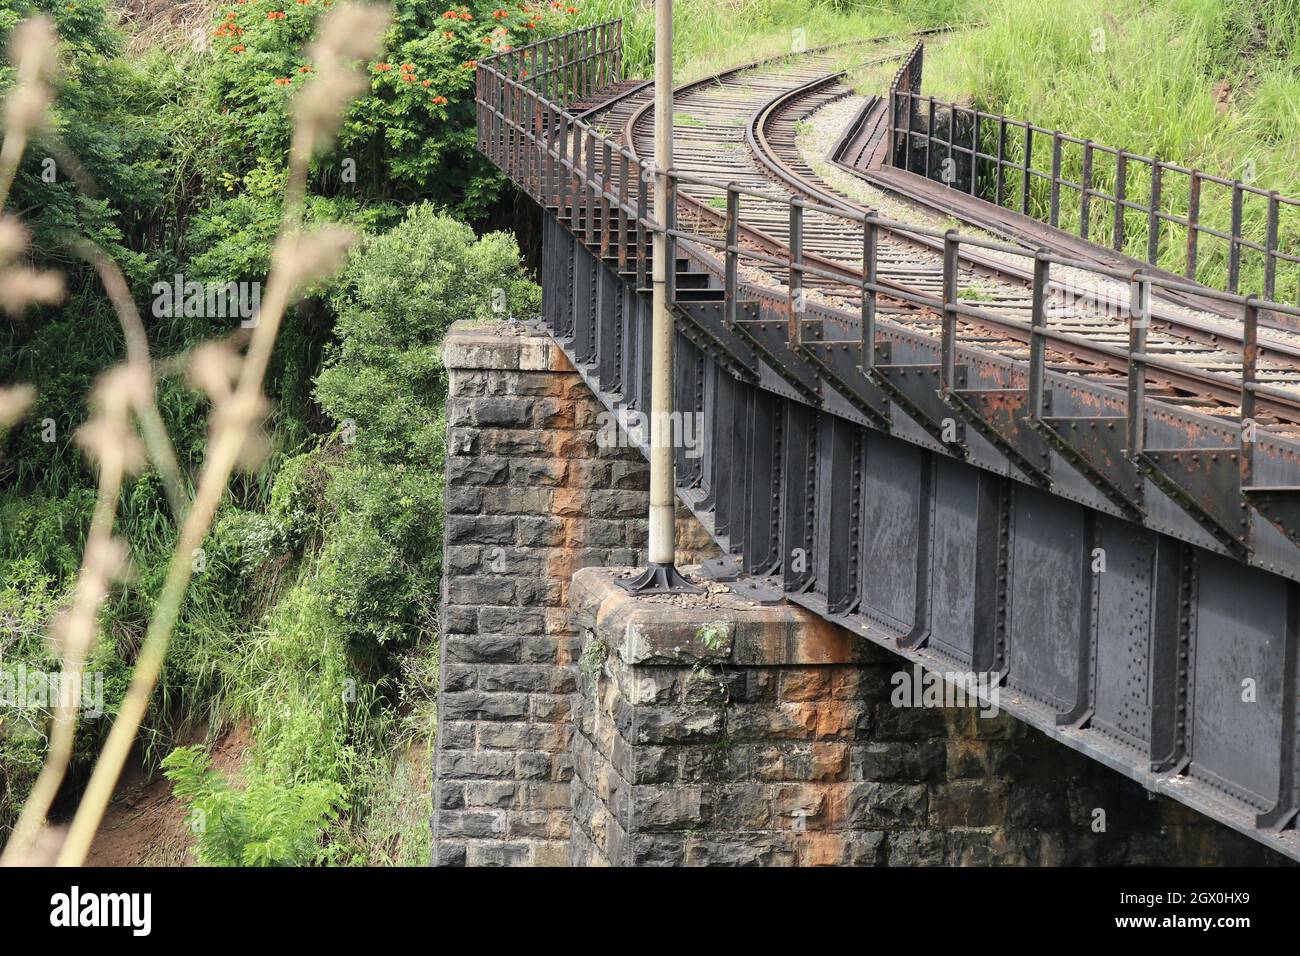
1117, 359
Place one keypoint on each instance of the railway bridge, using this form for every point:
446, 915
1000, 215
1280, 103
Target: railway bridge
924, 411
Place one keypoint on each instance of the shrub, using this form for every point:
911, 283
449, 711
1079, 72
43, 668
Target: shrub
265, 825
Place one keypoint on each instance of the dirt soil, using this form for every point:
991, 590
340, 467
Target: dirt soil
144, 825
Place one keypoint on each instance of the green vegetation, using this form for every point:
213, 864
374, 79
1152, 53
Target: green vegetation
712, 35
313, 617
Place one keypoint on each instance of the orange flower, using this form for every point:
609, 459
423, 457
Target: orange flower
407, 77
448, 34
304, 69
408, 68
383, 67
427, 83
440, 100
469, 64
500, 14
237, 48
231, 15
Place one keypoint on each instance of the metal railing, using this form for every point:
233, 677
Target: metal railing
587, 176
1141, 205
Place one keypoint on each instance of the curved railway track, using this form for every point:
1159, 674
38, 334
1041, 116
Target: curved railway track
740, 126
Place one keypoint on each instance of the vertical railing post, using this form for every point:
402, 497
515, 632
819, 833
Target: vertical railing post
870, 241
618, 50
642, 212
1025, 181
1193, 222
908, 103
565, 172
1037, 341
794, 287
731, 274
1054, 207
1249, 375
1153, 213
518, 108
950, 169
1234, 243
554, 153
607, 167
929, 141
975, 152
1139, 322
948, 343
1085, 191
623, 183
1270, 249
581, 214
1121, 182
1000, 185
594, 228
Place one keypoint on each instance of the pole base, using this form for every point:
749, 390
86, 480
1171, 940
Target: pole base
661, 579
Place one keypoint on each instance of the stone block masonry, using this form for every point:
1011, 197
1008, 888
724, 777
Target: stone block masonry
712, 731
530, 498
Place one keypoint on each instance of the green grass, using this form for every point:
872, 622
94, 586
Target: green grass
713, 35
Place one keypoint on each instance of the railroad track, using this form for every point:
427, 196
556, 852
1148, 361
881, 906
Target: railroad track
741, 126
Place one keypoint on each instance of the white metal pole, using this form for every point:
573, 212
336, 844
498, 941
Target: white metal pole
661, 544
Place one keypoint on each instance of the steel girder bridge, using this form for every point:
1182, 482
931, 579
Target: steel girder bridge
951, 442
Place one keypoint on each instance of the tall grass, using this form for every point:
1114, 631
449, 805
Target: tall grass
712, 35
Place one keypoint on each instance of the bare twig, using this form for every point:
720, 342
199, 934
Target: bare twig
156, 440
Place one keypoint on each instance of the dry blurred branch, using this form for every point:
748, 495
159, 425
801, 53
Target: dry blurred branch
232, 382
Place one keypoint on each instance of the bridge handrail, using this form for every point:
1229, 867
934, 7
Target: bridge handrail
942, 141
551, 153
